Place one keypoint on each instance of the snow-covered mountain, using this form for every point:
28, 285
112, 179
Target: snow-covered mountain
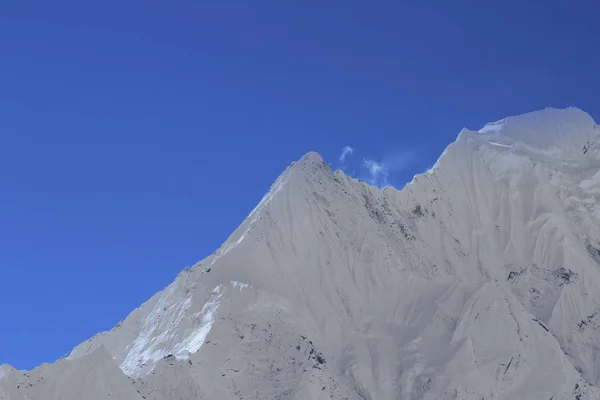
479, 280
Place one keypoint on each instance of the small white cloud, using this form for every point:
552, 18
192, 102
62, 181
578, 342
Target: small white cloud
378, 172
345, 152
374, 169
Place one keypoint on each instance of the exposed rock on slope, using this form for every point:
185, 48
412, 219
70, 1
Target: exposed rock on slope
479, 280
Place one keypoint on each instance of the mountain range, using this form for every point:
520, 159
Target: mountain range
480, 279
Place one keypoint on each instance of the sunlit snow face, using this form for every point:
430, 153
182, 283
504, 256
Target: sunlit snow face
239, 285
164, 332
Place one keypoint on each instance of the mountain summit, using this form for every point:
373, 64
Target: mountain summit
479, 280
549, 129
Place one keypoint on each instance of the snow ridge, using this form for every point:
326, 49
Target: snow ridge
254, 215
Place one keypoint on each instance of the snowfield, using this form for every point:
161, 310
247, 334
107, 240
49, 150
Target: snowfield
478, 280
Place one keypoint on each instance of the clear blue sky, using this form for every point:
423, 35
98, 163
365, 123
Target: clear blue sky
135, 135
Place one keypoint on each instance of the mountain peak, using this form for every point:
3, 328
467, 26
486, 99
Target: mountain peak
307, 168
310, 161
311, 156
550, 129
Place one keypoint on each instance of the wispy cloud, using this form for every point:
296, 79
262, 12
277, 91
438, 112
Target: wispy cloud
374, 169
345, 152
378, 172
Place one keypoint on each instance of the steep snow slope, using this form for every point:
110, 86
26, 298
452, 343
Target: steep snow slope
94, 377
479, 280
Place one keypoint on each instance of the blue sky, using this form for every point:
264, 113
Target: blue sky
135, 136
